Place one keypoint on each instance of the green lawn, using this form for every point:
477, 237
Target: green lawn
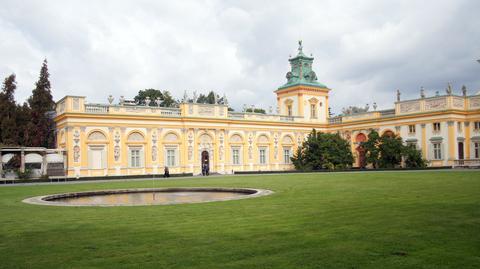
328, 220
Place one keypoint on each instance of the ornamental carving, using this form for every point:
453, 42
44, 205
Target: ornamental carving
190, 145
97, 136
409, 107
76, 104
475, 102
76, 154
116, 149
154, 153
250, 146
206, 110
275, 145
458, 102
436, 104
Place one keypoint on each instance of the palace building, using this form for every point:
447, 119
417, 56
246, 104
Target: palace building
129, 139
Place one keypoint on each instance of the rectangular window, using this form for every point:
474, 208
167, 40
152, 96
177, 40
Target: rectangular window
476, 125
262, 156
476, 150
436, 126
411, 129
171, 157
286, 156
313, 111
437, 151
235, 156
135, 158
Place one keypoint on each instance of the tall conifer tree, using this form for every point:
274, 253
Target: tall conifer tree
41, 103
8, 126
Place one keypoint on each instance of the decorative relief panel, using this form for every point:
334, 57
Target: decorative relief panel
76, 148
221, 148
76, 104
116, 149
62, 107
154, 147
436, 104
190, 145
475, 102
275, 145
458, 102
206, 110
409, 107
250, 146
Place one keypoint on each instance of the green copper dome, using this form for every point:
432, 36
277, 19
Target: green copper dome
302, 72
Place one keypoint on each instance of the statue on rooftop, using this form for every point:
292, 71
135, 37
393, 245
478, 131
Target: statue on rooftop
449, 89
195, 96
398, 95
464, 90
422, 92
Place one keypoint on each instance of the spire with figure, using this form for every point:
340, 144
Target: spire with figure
301, 70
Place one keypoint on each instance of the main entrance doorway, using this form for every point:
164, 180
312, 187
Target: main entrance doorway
205, 163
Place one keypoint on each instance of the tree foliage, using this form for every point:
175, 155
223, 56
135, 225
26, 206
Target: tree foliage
41, 104
8, 122
413, 157
386, 151
256, 110
166, 99
323, 151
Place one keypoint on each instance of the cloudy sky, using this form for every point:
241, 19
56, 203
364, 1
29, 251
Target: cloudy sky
364, 50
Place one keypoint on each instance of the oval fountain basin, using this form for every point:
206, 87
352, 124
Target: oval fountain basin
157, 196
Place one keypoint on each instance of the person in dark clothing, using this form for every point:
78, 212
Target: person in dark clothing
166, 172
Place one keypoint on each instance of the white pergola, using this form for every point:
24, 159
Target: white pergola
32, 155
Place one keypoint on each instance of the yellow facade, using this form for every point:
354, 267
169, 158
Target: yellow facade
125, 139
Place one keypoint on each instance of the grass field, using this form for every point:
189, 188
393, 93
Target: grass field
338, 220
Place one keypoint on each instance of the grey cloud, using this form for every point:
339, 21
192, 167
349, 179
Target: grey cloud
363, 50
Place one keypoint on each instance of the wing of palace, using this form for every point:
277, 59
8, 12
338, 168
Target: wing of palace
122, 138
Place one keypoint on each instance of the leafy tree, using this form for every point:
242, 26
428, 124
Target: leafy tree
323, 151
41, 103
372, 152
153, 94
390, 148
256, 110
413, 157
207, 99
165, 97
168, 100
8, 124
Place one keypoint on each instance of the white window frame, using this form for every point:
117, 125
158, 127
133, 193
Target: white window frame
103, 161
285, 159
476, 150
135, 161
236, 155
262, 156
171, 156
313, 111
437, 151
476, 126
412, 129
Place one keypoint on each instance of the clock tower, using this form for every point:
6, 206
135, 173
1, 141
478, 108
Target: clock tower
302, 95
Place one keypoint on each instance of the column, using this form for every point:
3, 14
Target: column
22, 161
451, 142
467, 140
424, 141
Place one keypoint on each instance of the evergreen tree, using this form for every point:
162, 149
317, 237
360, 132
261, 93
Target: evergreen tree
41, 103
323, 151
8, 124
24, 124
